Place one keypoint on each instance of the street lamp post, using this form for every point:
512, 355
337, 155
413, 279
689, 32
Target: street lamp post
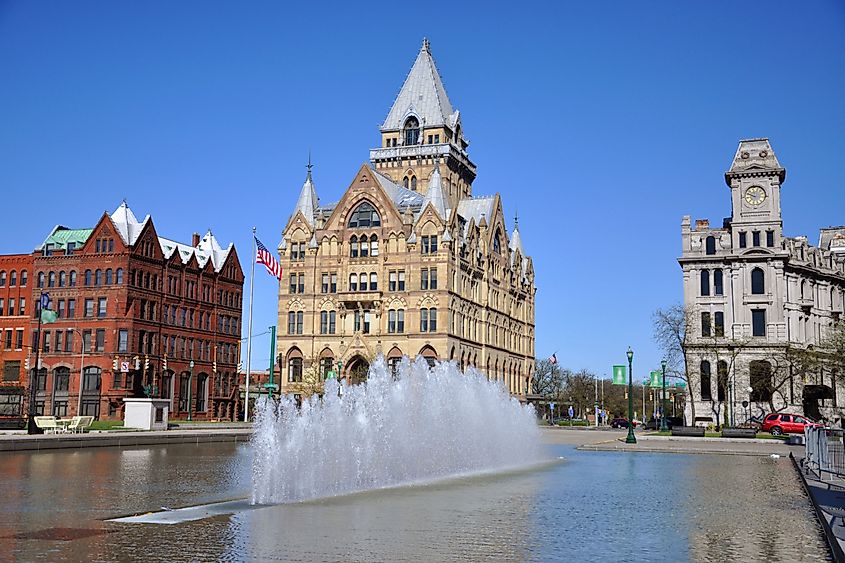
339, 382
81, 371
190, 382
663, 426
631, 439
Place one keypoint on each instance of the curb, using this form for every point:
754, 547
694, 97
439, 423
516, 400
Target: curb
830, 538
122, 440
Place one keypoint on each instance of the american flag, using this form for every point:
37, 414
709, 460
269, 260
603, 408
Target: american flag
264, 256
553, 358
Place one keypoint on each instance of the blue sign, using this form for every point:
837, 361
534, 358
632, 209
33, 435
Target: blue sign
45, 300
571, 411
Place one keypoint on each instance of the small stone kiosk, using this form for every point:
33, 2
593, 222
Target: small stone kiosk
146, 414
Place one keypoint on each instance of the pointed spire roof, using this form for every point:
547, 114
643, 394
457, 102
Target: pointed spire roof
307, 202
434, 194
516, 238
422, 95
127, 224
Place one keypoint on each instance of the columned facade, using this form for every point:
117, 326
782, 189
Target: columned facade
756, 299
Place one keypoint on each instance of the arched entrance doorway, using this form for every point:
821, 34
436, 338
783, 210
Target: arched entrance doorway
356, 370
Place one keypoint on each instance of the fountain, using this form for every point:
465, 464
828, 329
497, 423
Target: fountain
425, 424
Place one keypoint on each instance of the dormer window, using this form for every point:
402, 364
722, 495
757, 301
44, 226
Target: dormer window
365, 215
412, 131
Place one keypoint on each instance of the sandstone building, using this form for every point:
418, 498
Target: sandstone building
408, 262
756, 299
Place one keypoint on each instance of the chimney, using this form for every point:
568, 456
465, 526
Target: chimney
195, 240
702, 224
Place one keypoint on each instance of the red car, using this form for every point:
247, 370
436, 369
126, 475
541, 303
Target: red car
784, 423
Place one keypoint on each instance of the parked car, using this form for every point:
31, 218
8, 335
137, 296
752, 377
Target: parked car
654, 424
621, 422
786, 423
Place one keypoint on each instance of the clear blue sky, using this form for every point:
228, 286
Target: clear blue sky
603, 122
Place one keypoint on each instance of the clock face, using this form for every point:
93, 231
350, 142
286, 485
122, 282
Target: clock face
755, 195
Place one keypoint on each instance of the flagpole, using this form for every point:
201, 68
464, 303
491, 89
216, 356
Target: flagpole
249, 329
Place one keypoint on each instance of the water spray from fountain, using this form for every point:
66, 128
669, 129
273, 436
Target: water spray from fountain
422, 425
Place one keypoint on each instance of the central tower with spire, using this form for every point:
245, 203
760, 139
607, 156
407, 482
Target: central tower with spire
408, 261
421, 128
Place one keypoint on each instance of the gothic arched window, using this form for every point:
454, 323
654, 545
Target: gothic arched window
412, 131
365, 215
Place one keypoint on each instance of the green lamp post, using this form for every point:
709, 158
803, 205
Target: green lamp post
631, 439
339, 382
663, 426
190, 382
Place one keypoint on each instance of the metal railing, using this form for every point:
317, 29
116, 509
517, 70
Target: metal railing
823, 453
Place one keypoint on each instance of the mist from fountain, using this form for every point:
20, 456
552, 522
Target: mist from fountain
424, 425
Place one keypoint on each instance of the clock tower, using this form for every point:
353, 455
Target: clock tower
755, 178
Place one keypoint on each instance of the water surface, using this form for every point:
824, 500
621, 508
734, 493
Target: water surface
605, 506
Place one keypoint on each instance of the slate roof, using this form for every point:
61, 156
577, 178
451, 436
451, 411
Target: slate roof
402, 197
129, 229
127, 224
434, 194
754, 154
422, 95
307, 202
475, 207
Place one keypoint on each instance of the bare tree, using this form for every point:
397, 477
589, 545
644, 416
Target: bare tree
673, 335
547, 380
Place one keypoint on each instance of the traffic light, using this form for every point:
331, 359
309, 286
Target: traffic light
137, 362
164, 363
240, 367
114, 364
26, 364
146, 363
214, 366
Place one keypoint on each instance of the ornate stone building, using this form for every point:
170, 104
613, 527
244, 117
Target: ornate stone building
756, 299
408, 262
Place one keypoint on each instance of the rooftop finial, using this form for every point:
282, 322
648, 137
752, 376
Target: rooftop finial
516, 219
309, 166
426, 45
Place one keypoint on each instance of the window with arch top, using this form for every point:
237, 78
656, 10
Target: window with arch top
758, 282
412, 131
497, 242
710, 245
365, 215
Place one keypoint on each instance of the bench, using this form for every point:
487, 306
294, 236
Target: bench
739, 433
697, 431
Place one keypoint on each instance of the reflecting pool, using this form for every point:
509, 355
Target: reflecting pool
593, 505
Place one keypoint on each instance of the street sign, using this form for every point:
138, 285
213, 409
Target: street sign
571, 411
124, 367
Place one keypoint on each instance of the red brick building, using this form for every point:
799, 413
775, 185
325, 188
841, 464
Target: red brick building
136, 313
15, 313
